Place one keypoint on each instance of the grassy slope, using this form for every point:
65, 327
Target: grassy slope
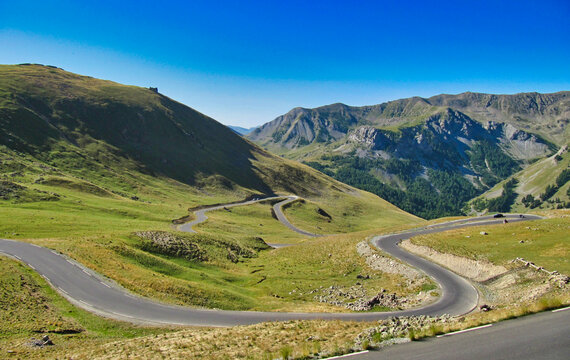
533, 180
545, 242
99, 192
31, 308
95, 231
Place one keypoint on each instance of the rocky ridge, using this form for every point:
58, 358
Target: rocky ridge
481, 138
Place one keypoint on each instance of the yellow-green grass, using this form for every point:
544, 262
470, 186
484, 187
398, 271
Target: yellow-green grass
95, 230
249, 220
297, 339
31, 308
291, 273
349, 213
545, 242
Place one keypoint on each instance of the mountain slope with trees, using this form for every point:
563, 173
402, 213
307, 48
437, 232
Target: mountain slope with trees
427, 156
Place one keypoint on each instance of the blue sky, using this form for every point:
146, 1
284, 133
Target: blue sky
246, 62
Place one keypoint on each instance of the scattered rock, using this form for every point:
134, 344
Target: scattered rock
398, 327
558, 279
485, 307
355, 298
385, 264
44, 341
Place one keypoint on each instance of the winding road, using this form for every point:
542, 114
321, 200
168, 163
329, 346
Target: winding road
89, 290
277, 208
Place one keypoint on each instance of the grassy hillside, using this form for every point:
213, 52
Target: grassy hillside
91, 168
544, 242
542, 185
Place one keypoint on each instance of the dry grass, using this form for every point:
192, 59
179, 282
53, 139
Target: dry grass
547, 302
298, 339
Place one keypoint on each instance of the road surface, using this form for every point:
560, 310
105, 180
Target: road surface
540, 336
90, 291
278, 209
201, 214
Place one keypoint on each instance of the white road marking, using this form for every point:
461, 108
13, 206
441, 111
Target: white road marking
105, 284
63, 291
562, 309
466, 330
54, 252
69, 261
347, 355
84, 303
36, 246
17, 257
85, 271
32, 266
127, 316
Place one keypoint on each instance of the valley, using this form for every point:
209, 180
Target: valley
105, 189
429, 156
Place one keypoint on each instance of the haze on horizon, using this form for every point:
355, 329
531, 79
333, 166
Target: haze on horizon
244, 63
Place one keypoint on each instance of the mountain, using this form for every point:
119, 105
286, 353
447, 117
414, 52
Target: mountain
60, 130
428, 156
101, 172
241, 130
544, 184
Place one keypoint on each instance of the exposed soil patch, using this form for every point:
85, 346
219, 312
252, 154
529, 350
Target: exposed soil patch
498, 285
477, 270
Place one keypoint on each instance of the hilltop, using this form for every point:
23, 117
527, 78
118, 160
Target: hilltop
426, 155
88, 165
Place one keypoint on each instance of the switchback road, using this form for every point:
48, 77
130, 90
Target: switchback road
89, 290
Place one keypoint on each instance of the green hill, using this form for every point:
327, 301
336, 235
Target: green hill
94, 169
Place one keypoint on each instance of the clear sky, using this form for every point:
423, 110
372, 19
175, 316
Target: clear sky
246, 62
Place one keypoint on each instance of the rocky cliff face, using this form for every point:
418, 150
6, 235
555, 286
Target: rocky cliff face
546, 115
450, 129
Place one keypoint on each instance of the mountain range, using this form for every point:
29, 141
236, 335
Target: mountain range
429, 156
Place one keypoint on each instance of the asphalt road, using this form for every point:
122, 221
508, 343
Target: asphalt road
201, 214
540, 336
90, 291
458, 295
278, 209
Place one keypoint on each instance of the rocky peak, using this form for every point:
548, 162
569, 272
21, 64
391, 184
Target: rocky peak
365, 135
452, 122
